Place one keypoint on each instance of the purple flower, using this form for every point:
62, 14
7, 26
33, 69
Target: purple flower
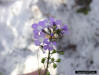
37, 42
43, 23
42, 34
52, 19
65, 28
39, 26
44, 30
54, 43
50, 48
36, 36
34, 26
58, 22
46, 41
45, 47
52, 34
36, 32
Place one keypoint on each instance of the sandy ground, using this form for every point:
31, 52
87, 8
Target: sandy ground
19, 55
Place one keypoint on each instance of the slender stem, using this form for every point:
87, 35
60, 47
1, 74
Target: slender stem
47, 63
48, 58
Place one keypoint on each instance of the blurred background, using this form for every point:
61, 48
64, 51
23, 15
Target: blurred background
19, 55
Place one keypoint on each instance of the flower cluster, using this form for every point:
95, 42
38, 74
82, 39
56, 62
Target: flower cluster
47, 32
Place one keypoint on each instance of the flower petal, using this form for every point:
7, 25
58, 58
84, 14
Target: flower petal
37, 42
54, 43
50, 48
46, 41
58, 22
34, 26
42, 34
45, 47
65, 28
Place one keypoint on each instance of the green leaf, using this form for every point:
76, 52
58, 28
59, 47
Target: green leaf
54, 65
60, 52
43, 60
48, 73
54, 51
58, 60
52, 59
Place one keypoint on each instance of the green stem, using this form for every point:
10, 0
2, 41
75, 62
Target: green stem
47, 63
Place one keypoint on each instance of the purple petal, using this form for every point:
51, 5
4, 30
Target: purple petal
45, 47
42, 23
46, 41
42, 34
65, 28
50, 48
54, 43
36, 36
52, 19
58, 22
37, 42
34, 26
35, 32
52, 34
